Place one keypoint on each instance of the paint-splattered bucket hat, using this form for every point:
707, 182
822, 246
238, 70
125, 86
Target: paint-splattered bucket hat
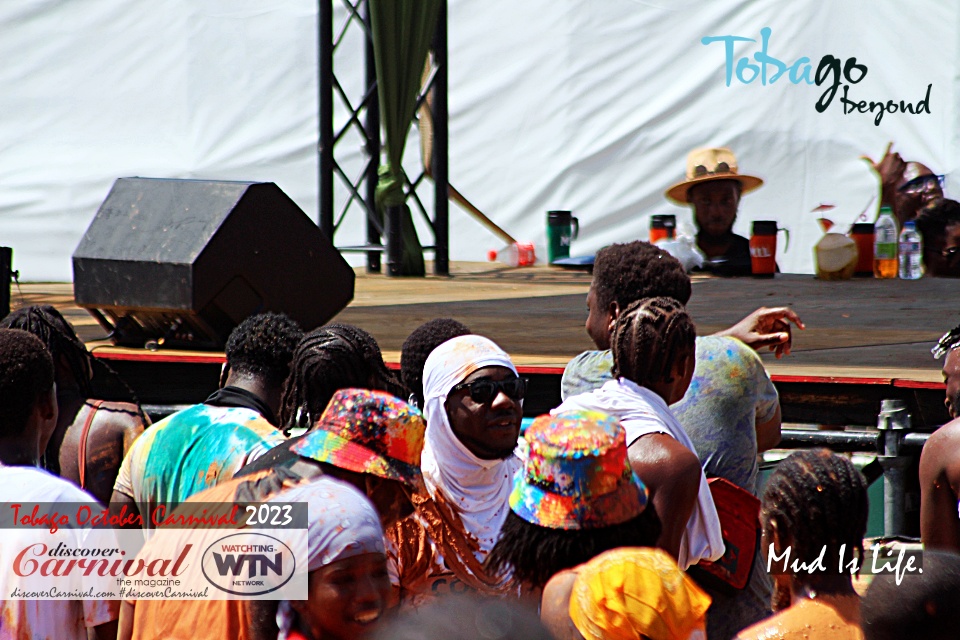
577, 475
368, 432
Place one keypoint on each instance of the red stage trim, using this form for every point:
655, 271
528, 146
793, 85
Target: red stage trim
219, 358
149, 356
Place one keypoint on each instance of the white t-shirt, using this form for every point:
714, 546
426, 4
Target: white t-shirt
642, 412
66, 619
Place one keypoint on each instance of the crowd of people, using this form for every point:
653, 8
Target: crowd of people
432, 513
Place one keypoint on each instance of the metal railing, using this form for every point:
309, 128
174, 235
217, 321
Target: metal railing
896, 449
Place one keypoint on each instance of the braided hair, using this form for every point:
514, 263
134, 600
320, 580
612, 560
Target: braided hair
333, 357
418, 346
625, 273
649, 338
53, 330
816, 499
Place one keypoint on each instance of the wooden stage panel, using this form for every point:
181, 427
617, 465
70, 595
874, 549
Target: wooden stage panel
866, 339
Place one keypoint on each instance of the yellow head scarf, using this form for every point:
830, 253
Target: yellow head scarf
632, 591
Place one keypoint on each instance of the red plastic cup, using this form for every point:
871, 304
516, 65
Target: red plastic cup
763, 248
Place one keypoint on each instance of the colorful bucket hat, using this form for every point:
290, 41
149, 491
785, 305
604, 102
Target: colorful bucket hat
577, 475
368, 432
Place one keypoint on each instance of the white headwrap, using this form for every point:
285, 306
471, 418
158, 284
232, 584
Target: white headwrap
478, 489
341, 523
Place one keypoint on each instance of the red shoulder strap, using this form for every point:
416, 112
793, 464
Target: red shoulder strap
82, 450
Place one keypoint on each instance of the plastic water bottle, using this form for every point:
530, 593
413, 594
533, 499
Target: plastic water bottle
885, 245
911, 252
517, 254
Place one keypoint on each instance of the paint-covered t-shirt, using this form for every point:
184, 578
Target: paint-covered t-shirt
730, 394
190, 451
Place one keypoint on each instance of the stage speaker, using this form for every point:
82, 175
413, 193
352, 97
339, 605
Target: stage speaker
183, 262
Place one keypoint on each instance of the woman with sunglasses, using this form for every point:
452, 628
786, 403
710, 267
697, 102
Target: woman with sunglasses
473, 406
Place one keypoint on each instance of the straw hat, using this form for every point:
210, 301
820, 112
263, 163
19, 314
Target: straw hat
711, 163
577, 475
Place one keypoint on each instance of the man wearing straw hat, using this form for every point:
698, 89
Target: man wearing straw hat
713, 186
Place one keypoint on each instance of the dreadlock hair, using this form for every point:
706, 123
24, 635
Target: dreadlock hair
418, 346
26, 374
625, 273
47, 324
816, 499
333, 357
532, 553
262, 346
649, 338
915, 605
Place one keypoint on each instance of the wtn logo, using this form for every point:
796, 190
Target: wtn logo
257, 564
250, 563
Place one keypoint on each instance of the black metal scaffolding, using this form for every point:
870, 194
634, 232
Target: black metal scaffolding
364, 118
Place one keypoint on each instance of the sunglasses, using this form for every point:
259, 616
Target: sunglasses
484, 390
700, 170
922, 184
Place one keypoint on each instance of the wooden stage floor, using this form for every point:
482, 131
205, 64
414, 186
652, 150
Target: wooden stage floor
874, 336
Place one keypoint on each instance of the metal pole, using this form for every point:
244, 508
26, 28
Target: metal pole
371, 127
325, 98
394, 240
441, 202
893, 423
6, 270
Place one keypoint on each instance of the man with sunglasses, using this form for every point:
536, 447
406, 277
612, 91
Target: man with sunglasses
907, 187
473, 407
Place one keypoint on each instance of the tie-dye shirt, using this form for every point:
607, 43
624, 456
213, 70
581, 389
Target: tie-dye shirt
729, 395
190, 451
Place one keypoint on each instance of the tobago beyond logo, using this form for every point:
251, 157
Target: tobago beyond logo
248, 564
830, 73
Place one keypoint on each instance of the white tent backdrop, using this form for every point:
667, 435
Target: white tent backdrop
587, 106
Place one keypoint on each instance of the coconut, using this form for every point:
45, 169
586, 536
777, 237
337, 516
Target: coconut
836, 257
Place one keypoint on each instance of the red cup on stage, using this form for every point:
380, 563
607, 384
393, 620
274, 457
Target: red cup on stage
663, 227
763, 248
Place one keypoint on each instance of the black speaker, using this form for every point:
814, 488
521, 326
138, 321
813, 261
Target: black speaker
183, 262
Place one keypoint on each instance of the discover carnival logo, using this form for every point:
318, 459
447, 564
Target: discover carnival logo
831, 73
